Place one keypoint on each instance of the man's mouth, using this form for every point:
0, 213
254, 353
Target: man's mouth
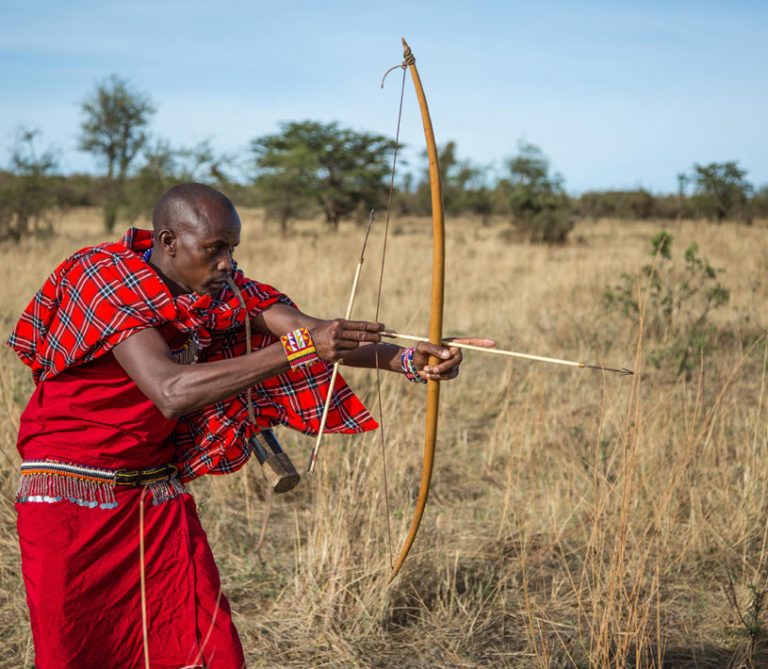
216, 285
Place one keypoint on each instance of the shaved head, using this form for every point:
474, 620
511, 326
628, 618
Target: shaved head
196, 230
190, 204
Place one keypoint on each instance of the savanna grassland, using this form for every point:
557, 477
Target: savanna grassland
575, 519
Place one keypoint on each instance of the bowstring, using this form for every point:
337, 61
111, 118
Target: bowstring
378, 309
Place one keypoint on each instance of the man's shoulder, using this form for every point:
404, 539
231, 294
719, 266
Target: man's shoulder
127, 249
107, 262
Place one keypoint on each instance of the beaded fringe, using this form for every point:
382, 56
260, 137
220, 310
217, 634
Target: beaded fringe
162, 491
91, 494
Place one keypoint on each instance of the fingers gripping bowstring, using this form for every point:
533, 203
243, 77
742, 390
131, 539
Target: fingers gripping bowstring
382, 440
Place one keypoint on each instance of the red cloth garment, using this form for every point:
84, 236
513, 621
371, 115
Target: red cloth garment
81, 572
103, 294
94, 414
81, 565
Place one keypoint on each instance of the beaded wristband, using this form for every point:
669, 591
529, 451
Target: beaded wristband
299, 348
409, 368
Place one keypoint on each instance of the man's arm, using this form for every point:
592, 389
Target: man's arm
281, 318
178, 389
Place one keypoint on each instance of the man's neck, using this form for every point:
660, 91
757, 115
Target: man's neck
173, 286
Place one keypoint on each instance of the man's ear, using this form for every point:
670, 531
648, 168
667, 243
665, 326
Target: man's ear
167, 240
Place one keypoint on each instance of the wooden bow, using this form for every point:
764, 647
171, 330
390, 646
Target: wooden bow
436, 312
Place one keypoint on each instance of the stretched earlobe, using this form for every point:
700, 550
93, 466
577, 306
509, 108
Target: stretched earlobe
167, 240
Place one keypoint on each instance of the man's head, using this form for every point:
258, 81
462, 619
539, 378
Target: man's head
196, 229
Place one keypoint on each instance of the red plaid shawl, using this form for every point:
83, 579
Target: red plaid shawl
103, 294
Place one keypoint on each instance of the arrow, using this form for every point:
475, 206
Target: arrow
512, 354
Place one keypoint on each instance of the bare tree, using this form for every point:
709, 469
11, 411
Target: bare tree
114, 130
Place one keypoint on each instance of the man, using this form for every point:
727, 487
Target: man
121, 418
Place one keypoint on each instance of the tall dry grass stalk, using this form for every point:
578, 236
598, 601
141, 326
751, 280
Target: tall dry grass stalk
575, 519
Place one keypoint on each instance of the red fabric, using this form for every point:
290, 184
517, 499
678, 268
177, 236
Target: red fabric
81, 572
103, 294
94, 414
81, 565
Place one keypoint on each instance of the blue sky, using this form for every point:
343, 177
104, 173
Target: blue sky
618, 95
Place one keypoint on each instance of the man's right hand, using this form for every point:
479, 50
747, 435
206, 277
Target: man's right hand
336, 338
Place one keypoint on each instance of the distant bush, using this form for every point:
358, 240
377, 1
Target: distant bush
634, 204
79, 190
721, 191
29, 191
536, 198
759, 203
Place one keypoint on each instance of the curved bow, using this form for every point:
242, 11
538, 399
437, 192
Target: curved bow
436, 311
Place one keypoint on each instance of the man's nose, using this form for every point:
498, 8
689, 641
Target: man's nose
224, 263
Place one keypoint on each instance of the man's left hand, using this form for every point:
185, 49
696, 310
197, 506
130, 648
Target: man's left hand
449, 356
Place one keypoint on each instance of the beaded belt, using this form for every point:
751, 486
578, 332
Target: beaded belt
47, 481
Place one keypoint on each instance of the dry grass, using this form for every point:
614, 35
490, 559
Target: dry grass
575, 519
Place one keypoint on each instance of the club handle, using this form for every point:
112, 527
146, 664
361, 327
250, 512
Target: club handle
275, 463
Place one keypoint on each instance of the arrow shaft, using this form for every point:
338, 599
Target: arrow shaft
495, 351
510, 354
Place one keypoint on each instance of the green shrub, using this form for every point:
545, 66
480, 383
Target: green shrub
679, 303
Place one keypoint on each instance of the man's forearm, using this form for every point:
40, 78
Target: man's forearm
178, 389
387, 355
198, 386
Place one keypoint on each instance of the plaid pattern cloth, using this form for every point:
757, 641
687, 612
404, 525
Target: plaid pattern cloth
101, 295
